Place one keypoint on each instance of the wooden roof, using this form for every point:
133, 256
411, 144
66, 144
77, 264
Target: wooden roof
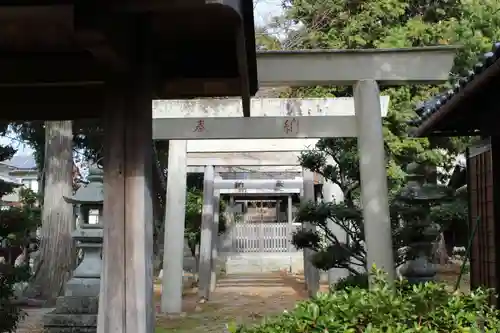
56, 56
469, 107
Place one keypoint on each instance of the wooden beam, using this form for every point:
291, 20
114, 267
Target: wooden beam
49, 68
51, 103
28, 27
102, 50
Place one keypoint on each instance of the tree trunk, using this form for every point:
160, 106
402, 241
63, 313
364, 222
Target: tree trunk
56, 244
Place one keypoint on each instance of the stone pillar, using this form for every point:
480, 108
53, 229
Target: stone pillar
304, 256
232, 209
333, 193
175, 212
372, 165
205, 263
311, 273
289, 217
215, 241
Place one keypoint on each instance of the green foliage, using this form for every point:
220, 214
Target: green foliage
384, 308
351, 281
346, 24
10, 313
194, 208
349, 253
453, 212
87, 137
15, 226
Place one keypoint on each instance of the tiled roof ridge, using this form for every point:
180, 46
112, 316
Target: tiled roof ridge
432, 106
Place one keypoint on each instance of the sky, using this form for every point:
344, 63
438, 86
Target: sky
10, 139
264, 11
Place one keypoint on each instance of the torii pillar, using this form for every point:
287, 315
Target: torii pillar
126, 297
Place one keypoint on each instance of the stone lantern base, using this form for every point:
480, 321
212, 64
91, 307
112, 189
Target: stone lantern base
419, 270
73, 314
83, 287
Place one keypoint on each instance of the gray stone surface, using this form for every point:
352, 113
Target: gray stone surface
76, 304
73, 314
83, 287
70, 330
69, 320
237, 263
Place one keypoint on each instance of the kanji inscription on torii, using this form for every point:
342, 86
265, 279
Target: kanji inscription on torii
240, 186
291, 126
200, 126
279, 184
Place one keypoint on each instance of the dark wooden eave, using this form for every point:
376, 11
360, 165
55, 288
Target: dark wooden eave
56, 56
469, 107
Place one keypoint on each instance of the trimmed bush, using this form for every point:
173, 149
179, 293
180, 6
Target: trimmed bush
351, 281
386, 308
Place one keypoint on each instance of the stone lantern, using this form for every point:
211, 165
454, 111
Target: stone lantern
76, 311
417, 198
88, 235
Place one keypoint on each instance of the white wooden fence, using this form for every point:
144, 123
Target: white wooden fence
261, 237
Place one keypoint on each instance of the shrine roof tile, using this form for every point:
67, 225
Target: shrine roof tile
432, 106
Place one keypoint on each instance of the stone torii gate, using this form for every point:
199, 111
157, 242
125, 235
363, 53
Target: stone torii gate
364, 70
246, 153
285, 123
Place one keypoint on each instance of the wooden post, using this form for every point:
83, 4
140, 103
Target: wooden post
138, 208
112, 295
126, 298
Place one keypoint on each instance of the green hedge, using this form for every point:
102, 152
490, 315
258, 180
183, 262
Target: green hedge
386, 308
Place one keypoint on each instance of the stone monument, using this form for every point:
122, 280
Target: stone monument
76, 311
418, 197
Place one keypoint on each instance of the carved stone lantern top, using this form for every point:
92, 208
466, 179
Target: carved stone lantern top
92, 193
419, 190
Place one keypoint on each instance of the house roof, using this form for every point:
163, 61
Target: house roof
21, 162
436, 114
10, 180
